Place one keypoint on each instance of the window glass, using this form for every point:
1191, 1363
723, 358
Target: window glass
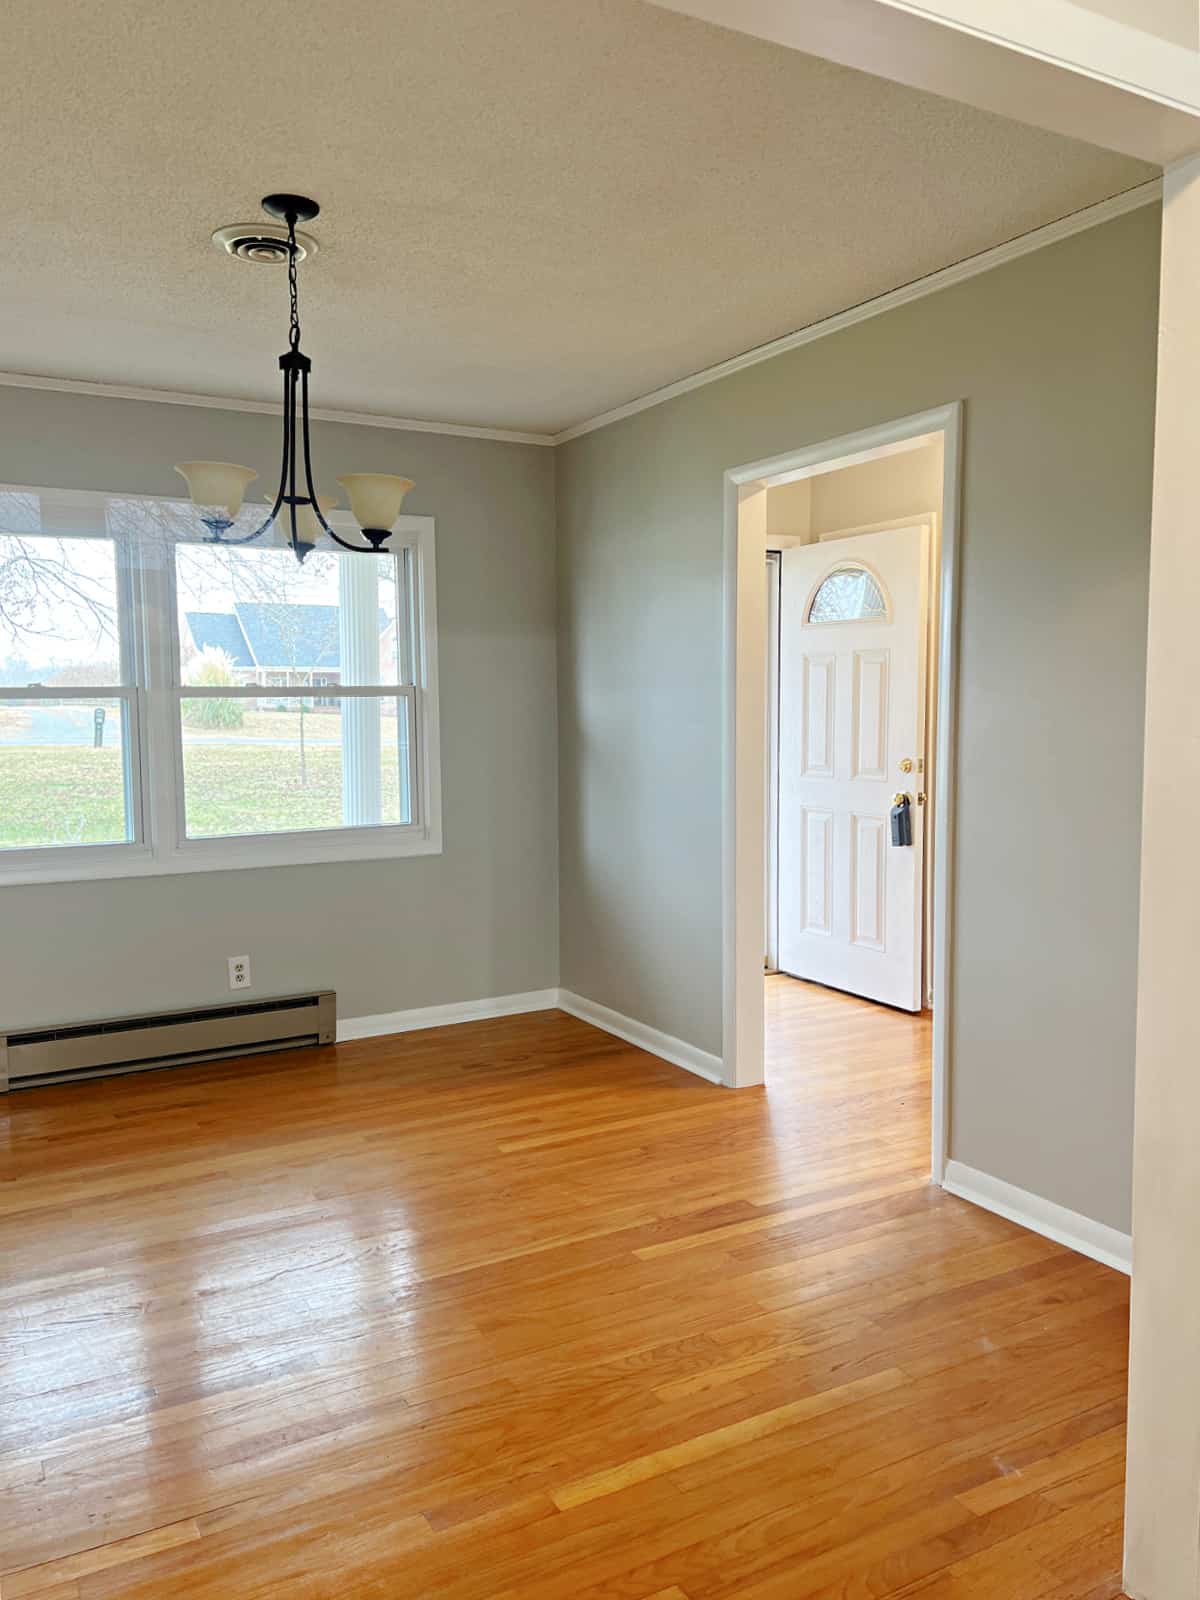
59, 621
292, 763
257, 616
63, 772
848, 594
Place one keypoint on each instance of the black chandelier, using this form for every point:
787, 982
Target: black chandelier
218, 487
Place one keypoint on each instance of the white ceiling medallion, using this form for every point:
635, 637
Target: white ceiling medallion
265, 243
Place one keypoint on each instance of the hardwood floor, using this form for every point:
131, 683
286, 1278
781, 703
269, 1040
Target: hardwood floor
512, 1311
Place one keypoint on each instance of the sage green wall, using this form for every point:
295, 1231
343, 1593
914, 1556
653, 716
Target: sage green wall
476, 921
1054, 355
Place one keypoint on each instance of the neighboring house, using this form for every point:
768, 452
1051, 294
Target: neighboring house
280, 645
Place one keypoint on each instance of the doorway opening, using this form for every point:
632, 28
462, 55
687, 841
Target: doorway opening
841, 600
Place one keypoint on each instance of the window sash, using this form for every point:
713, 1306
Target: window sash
49, 691
184, 842
406, 564
129, 692
133, 775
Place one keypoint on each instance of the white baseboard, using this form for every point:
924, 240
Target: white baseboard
1080, 1233
676, 1051
506, 1005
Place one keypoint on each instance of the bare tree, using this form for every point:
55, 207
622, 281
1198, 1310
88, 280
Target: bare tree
39, 578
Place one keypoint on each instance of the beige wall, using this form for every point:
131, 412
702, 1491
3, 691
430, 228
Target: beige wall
478, 920
1054, 356
908, 484
789, 513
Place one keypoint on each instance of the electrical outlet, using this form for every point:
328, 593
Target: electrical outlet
239, 972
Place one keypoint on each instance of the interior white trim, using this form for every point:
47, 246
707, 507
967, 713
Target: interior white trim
383, 1022
1065, 228
1078, 40
677, 1051
1060, 65
972, 49
214, 402
1056, 1222
744, 752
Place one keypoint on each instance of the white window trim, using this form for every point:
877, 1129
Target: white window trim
151, 670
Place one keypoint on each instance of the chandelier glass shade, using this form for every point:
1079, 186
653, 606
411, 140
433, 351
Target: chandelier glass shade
298, 512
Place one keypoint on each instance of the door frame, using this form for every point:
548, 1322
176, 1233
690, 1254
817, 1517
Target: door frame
744, 738
774, 595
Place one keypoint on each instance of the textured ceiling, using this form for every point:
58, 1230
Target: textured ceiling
533, 210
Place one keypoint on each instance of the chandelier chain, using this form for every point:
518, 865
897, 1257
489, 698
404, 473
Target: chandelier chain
293, 291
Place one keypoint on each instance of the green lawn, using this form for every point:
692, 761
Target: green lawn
264, 789
60, 794
72, 794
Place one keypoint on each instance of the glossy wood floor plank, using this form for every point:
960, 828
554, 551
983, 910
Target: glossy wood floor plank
512, 1311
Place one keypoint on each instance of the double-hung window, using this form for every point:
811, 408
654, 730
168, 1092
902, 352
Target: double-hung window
168, 704
70, 712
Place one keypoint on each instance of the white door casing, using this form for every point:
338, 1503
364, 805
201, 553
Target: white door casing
852, 698
771, 962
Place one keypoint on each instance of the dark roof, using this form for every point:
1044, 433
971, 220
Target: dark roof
283, 635
273, 635
218, 630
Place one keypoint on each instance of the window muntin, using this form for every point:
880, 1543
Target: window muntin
371, 789
848, 594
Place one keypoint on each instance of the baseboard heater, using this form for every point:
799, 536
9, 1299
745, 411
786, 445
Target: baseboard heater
164, 1039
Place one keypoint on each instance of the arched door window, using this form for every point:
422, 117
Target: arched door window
848, 594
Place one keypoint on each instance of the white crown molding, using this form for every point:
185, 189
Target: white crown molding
1053, 1221
1025, 244
213, 402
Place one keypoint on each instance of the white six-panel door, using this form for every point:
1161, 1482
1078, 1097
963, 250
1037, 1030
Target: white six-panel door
851, 712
